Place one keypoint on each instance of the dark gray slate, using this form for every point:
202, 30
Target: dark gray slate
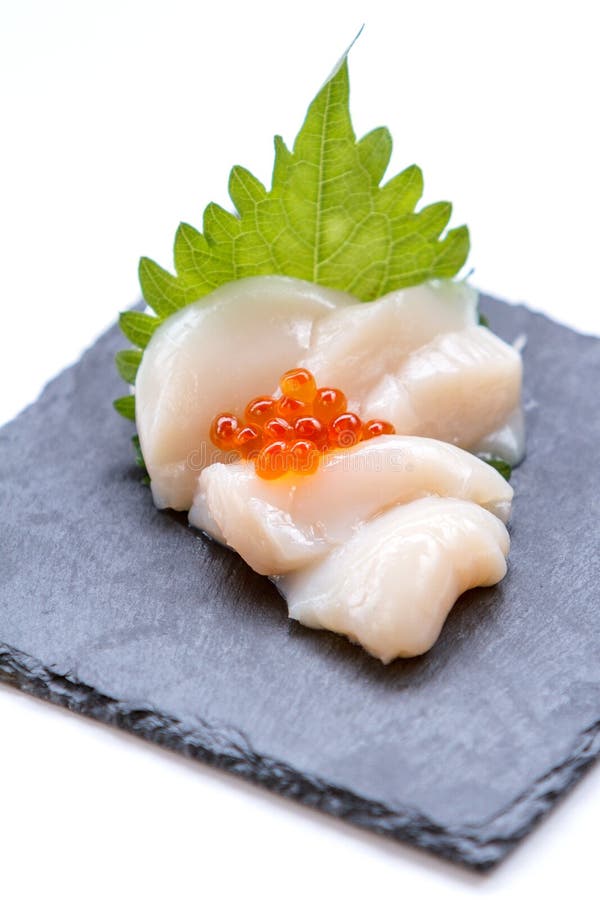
123, 613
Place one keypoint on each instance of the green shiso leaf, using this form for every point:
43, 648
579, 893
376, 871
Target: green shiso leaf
128, 362
139, 459
138, 327
125, 406
326, 218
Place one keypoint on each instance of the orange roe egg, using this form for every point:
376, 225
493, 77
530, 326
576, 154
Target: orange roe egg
309, 428
329, 403
248, 440
277, 429
289, 408
223, 431
299, 384
377, 427
272, 461
304, 457
260, 410
345, 430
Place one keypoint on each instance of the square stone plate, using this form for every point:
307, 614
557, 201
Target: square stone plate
125, 614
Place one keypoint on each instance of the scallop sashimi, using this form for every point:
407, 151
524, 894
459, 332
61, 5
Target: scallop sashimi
357, 345
210, 355
418, 358
415, 358
280, 525
329, 434
375, 538
392, 585
460, 387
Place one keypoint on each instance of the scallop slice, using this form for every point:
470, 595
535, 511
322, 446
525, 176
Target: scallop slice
277, 526
392, 585
460, 387
417, 358
354, 347
212, 356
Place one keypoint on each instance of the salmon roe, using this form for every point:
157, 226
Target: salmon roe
260, 410
375, 428
309, 428
345, 430
329, 403
248, 440
291, 409
278, 429
292, 432
223, 431
272, 461
298, 384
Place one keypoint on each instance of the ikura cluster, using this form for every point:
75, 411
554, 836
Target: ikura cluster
291, 432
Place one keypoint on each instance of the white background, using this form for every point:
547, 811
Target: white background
118, 120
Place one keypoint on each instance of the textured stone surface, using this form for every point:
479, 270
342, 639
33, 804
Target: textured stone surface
123, 613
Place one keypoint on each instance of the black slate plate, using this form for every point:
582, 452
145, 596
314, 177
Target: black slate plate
123, 613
